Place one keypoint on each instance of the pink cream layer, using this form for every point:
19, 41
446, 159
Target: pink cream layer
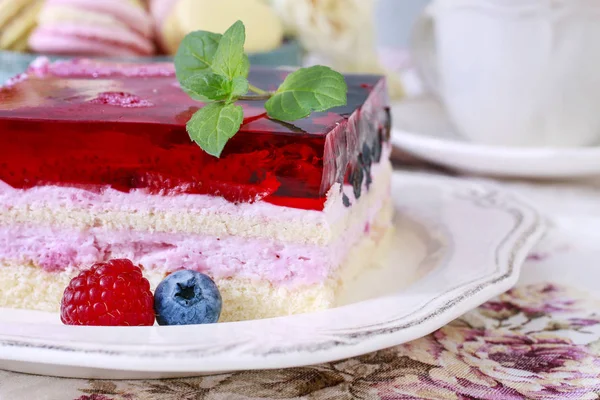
291, 264
56, 249
138, 201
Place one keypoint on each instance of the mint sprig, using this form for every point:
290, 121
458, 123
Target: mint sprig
316, 88
196, 53
230, 59
213, 69
208, 86
214, 124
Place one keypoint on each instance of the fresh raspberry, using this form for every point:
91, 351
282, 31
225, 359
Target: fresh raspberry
113, 293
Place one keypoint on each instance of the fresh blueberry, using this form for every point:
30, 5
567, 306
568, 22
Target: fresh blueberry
185, 298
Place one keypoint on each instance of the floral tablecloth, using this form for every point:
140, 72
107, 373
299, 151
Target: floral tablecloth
540, 340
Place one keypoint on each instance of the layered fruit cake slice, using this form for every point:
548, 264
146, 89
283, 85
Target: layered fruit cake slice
95, 163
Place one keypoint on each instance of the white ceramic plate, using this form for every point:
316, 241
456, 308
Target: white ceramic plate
457, 245
422, 127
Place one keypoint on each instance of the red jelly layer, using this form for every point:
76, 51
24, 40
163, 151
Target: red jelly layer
94, 125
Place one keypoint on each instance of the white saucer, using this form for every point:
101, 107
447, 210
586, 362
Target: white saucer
423, 128
440, 268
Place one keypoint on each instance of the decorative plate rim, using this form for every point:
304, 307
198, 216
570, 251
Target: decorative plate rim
527, 228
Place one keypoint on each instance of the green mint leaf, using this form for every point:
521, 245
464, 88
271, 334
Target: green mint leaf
208, 86
214, 68
213, 125
310, 89
240, 87
230, 59
196, 53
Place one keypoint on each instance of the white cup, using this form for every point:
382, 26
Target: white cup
514, 72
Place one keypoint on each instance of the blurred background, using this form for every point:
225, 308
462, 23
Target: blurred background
350, 35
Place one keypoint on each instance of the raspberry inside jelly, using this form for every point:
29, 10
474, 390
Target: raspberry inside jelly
93, 126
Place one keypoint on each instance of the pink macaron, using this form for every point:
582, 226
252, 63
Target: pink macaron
113, 28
